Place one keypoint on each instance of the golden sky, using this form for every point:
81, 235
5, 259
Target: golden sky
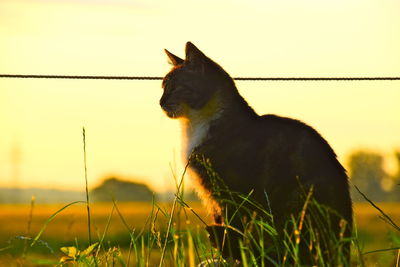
127, 133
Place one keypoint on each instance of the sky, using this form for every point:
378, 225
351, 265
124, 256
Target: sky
127, 134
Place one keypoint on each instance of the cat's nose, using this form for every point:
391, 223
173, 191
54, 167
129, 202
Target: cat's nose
163, 100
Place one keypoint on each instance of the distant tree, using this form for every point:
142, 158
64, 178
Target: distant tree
397, 175
367, 173
396, 179
121, 190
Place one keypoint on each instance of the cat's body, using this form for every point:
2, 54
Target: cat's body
277, 159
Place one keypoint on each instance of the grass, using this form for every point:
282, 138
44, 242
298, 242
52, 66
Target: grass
175, 234
69, 228
145, 234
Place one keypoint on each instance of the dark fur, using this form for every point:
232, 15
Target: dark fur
277, 157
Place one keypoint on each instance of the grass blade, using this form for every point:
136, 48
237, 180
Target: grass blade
384, 217
380, 250
172, 215
86, 185
51, 218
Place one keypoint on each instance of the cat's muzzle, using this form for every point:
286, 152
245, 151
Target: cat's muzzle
172, 111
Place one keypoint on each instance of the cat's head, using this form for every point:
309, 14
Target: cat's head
191, 84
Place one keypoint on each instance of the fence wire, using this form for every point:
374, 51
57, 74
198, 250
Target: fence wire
97, 77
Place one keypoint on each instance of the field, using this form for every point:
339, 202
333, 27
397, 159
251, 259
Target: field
116, 224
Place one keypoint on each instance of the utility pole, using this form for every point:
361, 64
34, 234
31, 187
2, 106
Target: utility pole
16, 170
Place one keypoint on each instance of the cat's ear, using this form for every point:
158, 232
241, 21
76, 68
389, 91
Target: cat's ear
194, 57
174, 60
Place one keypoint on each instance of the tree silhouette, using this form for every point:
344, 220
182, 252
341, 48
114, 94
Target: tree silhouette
121, 190
396, 179
367, 173
397, 175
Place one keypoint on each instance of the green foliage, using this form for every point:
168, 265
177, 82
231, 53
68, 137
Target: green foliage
260, 243
368, 174
74, 255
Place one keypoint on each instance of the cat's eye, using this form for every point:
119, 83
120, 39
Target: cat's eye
180, 88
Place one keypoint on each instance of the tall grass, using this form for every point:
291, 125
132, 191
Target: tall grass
86, 186
186, 243
168, 238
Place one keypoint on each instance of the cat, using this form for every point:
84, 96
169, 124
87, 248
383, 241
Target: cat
278, 161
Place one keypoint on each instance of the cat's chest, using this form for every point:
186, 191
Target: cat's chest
196, 134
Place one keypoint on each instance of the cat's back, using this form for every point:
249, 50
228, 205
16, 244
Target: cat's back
299, 143
295, 149
275, 124
268, 137
270, 146
294, 133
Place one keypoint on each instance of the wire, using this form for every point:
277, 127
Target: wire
96, 77
81, 77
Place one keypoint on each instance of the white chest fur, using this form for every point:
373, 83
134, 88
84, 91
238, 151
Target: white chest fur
196, 132
196, 125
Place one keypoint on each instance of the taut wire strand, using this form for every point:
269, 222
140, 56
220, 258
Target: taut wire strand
96, 77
